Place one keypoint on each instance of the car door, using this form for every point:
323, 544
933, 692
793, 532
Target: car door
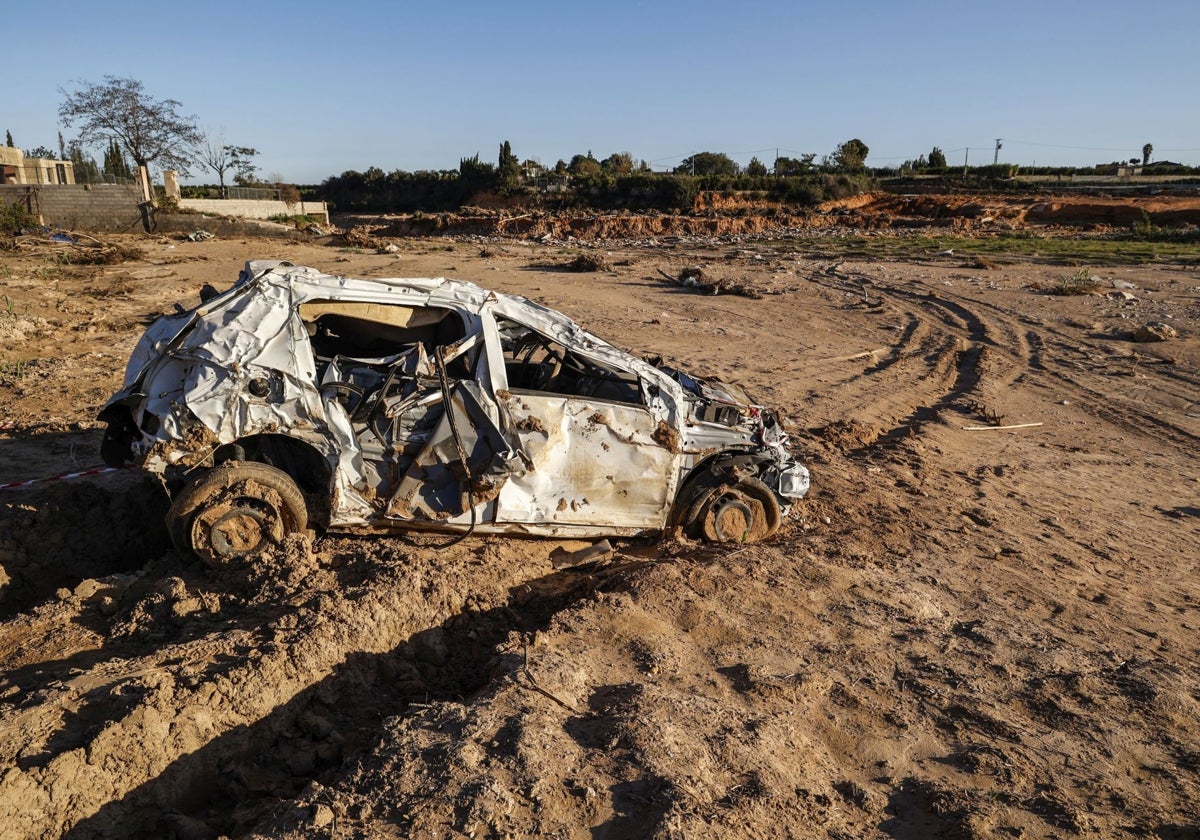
591, 464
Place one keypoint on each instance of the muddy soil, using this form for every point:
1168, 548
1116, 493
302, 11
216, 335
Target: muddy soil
983, 622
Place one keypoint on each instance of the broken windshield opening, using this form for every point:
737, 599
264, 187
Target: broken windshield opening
535, 362
371, 330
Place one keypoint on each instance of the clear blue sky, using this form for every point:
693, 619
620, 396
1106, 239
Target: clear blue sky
320, 88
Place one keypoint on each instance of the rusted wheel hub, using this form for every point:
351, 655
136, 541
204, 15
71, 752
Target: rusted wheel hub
730, 518
743, 510
239, 528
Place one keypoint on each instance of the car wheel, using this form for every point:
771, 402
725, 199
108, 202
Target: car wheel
741, 511
235, 512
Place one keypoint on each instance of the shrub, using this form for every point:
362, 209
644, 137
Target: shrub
14, 218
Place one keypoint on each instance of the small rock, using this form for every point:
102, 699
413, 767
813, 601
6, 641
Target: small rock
107, 605
315, 725
322, 816
853, 793
1122, 284
173, 587
185, 607
87, 588
63, 594
1156, 331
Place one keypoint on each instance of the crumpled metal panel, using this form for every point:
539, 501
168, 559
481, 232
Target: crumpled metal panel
589, 462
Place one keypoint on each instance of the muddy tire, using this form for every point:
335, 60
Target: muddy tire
233, 513
740, 511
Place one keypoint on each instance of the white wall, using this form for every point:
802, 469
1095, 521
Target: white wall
254, 209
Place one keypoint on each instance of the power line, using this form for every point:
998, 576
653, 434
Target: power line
1075, 148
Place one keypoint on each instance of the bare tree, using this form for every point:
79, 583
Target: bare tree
150, 130
216, 156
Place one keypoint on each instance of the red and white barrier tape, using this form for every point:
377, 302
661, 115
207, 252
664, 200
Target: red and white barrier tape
16, 485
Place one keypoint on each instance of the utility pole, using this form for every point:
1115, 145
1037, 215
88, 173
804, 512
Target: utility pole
996, 157
966, 154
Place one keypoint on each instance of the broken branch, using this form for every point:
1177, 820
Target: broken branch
999, 428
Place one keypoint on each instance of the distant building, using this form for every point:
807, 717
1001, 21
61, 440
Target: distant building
15, 168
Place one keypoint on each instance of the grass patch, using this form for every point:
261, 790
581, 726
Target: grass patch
589, 262
1018, 246
296, 219
1146, 231
14, 371
1079, 283
102, 255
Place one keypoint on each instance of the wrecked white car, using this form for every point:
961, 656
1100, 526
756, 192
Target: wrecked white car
297, 399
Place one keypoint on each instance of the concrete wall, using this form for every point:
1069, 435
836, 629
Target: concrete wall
254, 209
223, 227
100, 207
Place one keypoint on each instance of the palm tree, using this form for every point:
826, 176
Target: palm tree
1147, 150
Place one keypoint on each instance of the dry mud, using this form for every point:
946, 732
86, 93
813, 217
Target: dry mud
960, 633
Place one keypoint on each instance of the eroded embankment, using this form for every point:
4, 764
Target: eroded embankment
715, 215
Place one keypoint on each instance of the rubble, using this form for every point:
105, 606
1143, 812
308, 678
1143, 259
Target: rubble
1155, 331
588, 263
697, 279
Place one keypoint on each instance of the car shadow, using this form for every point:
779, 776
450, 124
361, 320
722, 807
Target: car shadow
249, 773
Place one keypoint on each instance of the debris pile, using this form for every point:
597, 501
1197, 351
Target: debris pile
589, 263
697, 279
74, 248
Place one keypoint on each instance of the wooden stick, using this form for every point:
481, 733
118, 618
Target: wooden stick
999, 428
863, 355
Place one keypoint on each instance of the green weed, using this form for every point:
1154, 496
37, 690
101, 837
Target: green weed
14, 371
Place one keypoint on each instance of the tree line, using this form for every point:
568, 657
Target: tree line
585, 181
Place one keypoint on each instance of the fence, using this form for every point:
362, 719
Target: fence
82, 177
253, 194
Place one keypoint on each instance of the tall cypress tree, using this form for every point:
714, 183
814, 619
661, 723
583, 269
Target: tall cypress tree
114, 161
508, 170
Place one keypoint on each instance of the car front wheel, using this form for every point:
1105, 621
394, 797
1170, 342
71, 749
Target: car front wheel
235, 512
742, 510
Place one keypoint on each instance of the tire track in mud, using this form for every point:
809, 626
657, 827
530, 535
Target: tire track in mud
988, 349
1033, 348
1114, 405
194, 708
962, 351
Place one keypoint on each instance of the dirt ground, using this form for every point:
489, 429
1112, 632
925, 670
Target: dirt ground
966, 631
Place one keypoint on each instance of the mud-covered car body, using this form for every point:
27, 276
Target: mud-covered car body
342, 384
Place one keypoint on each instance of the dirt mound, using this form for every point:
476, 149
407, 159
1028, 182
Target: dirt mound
1058, 211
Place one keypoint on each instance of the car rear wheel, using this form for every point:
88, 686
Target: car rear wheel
235, 512
740, 510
